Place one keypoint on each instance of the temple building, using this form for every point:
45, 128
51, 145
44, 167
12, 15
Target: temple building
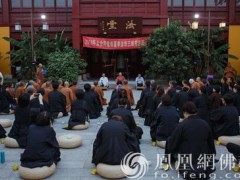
109, 33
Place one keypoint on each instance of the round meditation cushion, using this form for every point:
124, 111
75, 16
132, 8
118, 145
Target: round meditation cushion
110, 171
224, 140
37, 173
81, 126
10, 142
6, 123
69, 141
161, 144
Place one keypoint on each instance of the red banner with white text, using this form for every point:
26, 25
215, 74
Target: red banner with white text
114, 44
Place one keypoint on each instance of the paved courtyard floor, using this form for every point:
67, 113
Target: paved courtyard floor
76, 163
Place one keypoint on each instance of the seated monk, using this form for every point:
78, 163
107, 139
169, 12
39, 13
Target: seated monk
68, 94
129, 92
229, 71
100, 93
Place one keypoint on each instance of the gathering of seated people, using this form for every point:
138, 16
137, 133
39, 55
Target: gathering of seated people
173, 113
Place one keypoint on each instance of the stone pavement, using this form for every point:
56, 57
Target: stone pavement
76, 163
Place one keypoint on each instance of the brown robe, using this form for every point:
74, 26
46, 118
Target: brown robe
19, 91
39, 75
69, 97
129, 94
99, 90
74, 88
47, 91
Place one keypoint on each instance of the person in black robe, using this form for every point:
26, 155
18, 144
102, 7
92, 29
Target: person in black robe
57, 102
236, 103
2, 132
37, 105
113, 142
79, 110
143, 93
224, 120
216, 98
19, 130
203, 104
224, 86
165, 120
171, 90
209, 86
147, 104
43, 148
193, 138
121, 93
180, 98
94, 106
235, 150
6, 101
127, 117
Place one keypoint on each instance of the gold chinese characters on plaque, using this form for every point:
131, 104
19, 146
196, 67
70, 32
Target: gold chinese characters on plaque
120, 25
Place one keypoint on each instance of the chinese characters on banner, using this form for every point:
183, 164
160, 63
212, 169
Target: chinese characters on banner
120, 25
114, 44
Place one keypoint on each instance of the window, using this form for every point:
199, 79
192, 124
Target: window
199, 2
61, 3
38, 3
210, 3
169, 3
177, 3
69, 3
27, 3
0, 3
188, 3
16, 3
49, 3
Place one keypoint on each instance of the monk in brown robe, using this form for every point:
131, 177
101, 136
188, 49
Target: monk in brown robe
68, 94
230, 72
20, 89
129, 92
39, 74
60, 85
100, 93
74, 89
48, 88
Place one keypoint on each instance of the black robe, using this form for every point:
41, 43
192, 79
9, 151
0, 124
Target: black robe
128, 119
192, 137
225, 121
114, 105
35, 108
57, 103
42, 148
79, 113
93, 103
139, 103
178, 100
165, 121
237, 101
147, 107
203, 105
19, 130
2, 132
113, 142
5, 100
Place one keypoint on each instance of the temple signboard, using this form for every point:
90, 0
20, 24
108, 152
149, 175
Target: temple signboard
120, 25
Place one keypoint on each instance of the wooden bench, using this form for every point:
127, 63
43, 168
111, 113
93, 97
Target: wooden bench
140, 87
105, 88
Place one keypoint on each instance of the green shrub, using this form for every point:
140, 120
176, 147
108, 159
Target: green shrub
66, 65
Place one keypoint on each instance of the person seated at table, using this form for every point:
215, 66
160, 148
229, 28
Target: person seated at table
120, 77
103, 81
19, 130
192, 139
139, 81
79, 110
42, 148
113, 142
